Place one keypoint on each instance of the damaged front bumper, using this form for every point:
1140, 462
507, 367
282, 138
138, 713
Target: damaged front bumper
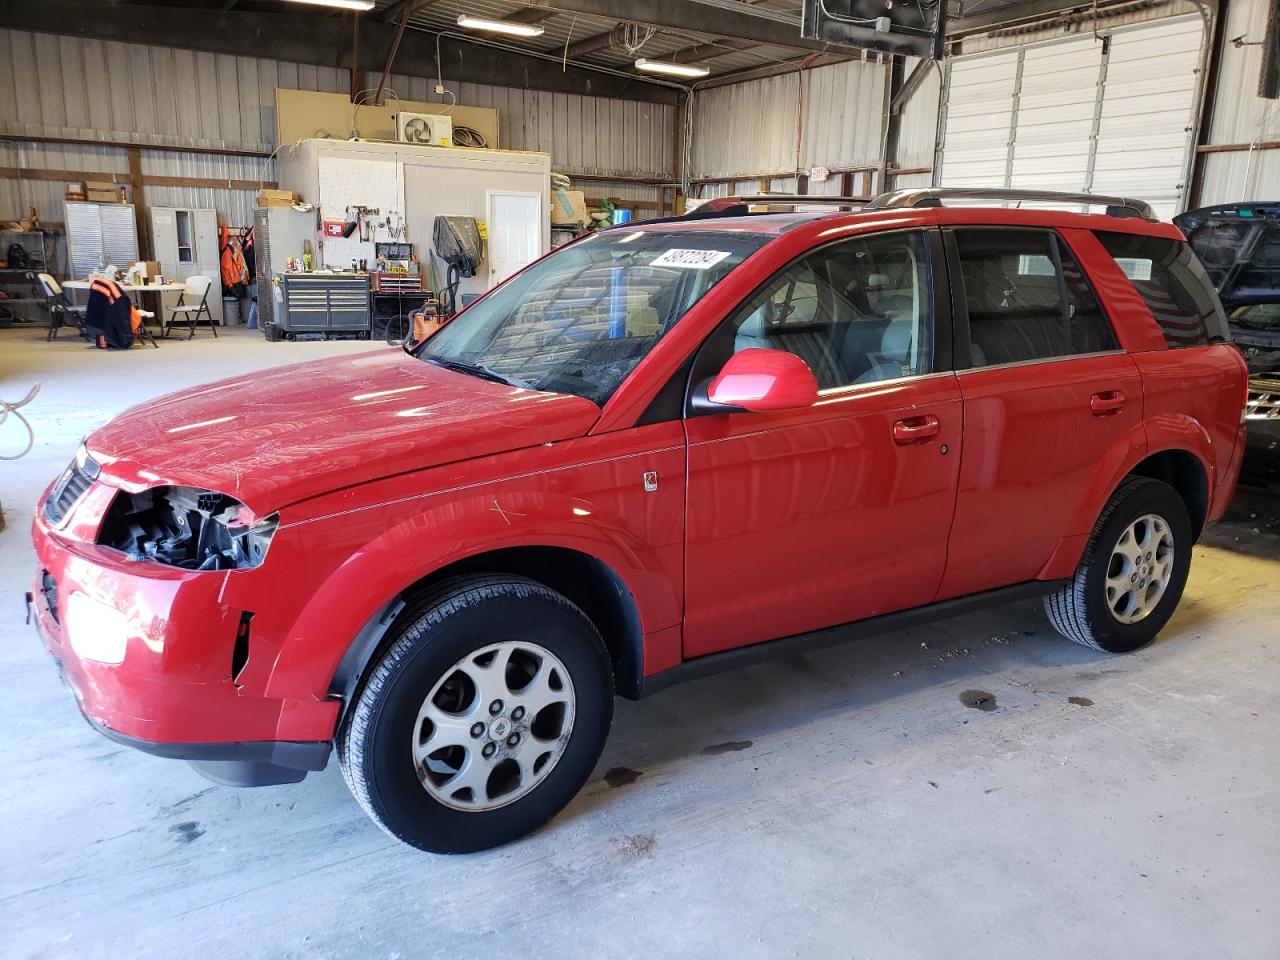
152, 653
102, 691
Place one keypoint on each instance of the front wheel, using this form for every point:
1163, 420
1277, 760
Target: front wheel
482, 719
1133, 571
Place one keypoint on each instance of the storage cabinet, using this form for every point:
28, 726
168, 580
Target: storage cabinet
186, 245
99, 234
323, 303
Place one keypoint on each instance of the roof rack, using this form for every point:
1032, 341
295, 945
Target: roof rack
740, 206
780, 199
933, 197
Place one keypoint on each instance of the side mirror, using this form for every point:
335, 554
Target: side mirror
759, 380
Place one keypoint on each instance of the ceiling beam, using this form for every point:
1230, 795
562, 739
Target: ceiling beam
773, 70
392, 13
306, 38
392, 50
592, 44
531, 15
710, 49
695, 16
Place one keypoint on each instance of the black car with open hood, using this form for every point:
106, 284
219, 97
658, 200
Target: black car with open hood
1239, 244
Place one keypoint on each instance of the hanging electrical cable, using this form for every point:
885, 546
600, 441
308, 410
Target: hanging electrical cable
12, 408
631, 37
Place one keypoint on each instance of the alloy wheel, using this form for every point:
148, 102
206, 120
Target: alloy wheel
493, 726
1140, 567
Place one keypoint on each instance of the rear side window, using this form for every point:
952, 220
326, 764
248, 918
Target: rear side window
1174, 284
1027, 298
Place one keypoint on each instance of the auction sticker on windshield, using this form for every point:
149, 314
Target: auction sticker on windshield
690, 259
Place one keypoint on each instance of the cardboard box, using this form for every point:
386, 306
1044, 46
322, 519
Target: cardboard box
568, 208
152, 267
102, 191
276, 198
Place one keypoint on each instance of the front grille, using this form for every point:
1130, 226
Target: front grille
71, 486
1264, 401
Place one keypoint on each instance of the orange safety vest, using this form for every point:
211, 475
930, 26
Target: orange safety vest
234, 270
111, 290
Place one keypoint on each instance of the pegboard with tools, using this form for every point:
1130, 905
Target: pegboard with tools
366, 197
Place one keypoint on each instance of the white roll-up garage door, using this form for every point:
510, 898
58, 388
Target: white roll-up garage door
1113, 115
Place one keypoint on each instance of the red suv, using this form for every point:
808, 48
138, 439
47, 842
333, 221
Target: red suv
660, 450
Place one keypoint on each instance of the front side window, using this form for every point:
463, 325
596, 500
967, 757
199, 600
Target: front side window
1027, 298
1174, 284
856, 312
580, 320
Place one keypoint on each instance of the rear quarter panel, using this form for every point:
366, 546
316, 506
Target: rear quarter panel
1194, 398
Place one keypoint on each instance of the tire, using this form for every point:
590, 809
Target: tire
1120, 621
430, 687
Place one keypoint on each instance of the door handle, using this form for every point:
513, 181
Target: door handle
916, 430
1107, 403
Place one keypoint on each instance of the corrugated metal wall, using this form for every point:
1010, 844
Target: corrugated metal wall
76, 88
1240, 116
918, 128
749, 130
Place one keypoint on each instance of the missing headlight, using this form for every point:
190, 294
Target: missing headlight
188, 528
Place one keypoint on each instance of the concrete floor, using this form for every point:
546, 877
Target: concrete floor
848, 804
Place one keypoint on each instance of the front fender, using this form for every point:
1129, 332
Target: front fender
445, 532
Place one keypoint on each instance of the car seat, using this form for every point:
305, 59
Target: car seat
893, 359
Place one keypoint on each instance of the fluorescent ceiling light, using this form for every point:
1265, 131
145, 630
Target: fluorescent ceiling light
671, 69
501, 26
341, 4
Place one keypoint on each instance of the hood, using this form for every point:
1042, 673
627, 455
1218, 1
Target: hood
283, 435
1239, 245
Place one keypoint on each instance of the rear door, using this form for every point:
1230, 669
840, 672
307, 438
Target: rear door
804, 519
1047, 394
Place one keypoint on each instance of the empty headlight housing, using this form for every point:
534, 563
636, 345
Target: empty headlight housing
187, 527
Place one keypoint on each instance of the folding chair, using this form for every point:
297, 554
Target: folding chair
62, 312
198, 289
144, 335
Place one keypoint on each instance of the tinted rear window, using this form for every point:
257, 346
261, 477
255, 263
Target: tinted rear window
1027, 298
1174, 284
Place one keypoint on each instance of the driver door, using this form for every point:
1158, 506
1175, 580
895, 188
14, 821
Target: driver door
803, 519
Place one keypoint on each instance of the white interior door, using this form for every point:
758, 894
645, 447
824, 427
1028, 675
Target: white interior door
515, 229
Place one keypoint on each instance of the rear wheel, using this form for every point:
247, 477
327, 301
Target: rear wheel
1133, 571
482, 719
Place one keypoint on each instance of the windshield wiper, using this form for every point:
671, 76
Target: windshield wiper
475, 370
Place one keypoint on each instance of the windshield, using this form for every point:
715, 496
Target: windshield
581, 319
